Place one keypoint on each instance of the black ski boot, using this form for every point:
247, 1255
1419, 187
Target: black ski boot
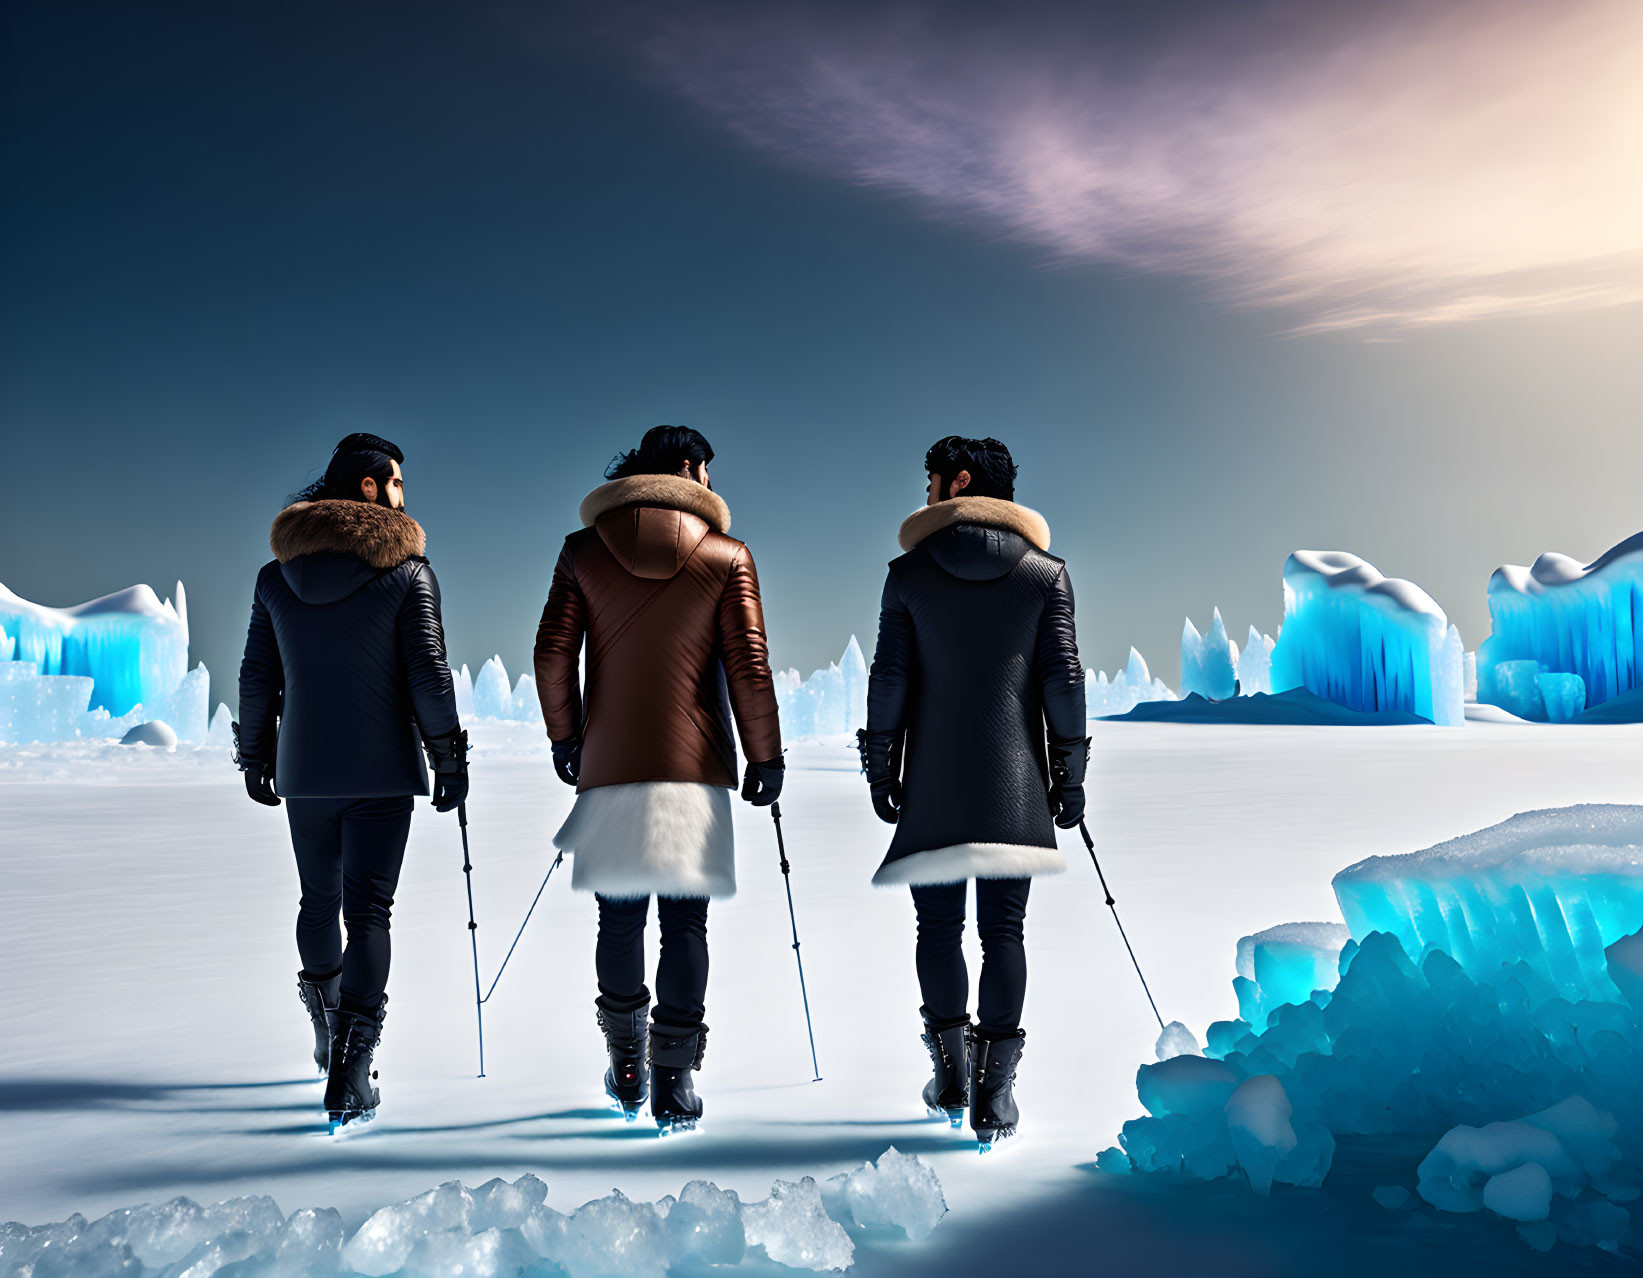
948, 1092
674, 1055
321, 999
993, 1061
627, 1033
349, 1096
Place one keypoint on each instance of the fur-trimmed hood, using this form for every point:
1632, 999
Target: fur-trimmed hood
378, 537
669, 492
989, 512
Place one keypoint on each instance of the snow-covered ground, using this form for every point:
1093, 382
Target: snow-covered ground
153, 1045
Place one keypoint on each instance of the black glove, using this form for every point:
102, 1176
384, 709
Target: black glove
259, 776
1069, 762
448, 757
881, 762
567, 759
762, 783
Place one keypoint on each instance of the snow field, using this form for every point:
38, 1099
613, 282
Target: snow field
146, 893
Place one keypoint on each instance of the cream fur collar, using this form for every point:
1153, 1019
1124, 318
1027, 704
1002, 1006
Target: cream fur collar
670, 492
990, 512
382, 538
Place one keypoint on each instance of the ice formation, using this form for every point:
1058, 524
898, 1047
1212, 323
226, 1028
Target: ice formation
100, 669
495, 1229
1549, 889
1209, 662
1566, 618
1127, 689
1285, 964
899, 1191
1255, 663
133, 647
463, 684
491, 698
1410, 1040
830, 702
1366, 641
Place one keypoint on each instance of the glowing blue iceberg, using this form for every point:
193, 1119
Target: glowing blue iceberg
1255, 664
1367, 642
1549, 889
133, 647
493, 700
1565, 618
1285, 964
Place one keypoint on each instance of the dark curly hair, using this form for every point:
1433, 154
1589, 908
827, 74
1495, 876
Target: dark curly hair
663, 451
992, 469
356, 457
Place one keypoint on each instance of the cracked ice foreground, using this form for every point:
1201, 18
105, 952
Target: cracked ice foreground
497, 1228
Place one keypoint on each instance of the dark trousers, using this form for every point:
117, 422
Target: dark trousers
1001, 912
349, 852
681, 972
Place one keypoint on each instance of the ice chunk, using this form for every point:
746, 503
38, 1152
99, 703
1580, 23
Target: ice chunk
1524, 1193
1453, 1175
1185, 1085
1563, 695
1516, 689
1208, 662
795, 1230
1549, 888
900, 1191
1176, 1040
1623, 961
154, 732
1366, 641
610, 1237
1569, 618
499, 1205
133, 647
705, 1225
36, 707
1127, 689
830, 702
1258, 1121
1285, 964
385, 1242
1255, 664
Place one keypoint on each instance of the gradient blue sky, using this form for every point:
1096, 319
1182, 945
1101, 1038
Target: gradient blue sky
1224, 294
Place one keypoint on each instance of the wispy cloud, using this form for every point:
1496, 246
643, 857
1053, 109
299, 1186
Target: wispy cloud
1357, 165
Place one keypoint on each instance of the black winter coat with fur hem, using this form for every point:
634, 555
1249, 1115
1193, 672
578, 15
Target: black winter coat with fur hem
977, 660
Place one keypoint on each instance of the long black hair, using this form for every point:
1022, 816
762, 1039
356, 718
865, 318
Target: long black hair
663, 451
359, 456
992, 469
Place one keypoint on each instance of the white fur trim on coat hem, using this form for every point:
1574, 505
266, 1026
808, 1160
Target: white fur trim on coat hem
670, 838
964, 861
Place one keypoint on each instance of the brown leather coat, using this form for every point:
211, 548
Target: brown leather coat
675, 632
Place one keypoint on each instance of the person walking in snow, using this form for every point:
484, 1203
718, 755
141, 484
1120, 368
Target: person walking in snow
974, 745
344, 667
669, 606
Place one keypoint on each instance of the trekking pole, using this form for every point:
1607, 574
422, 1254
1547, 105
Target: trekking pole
473, 928
787, 880
1113, 906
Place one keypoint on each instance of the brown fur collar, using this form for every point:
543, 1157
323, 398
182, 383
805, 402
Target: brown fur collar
382, 538
670, 492
990, 512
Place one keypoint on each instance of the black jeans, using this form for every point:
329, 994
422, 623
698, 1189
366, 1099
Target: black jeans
1001, 912
681, 972
349, 852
